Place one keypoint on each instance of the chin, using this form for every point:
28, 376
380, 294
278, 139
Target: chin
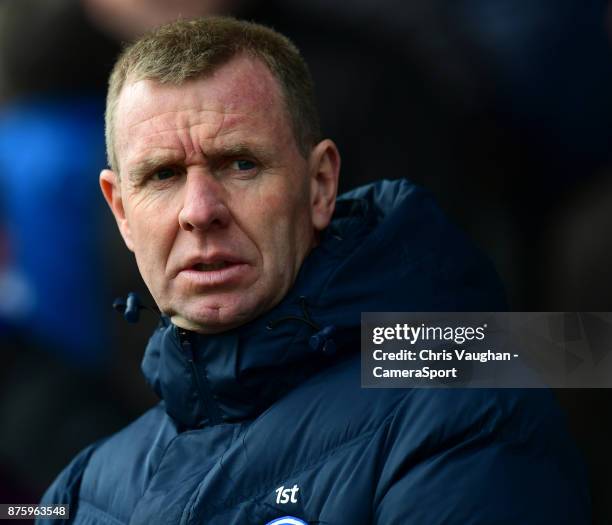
212, 319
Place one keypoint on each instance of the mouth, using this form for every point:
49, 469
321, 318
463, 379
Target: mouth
204, 267
214, 273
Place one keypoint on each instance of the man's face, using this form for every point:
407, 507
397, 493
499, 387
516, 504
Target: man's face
214, 197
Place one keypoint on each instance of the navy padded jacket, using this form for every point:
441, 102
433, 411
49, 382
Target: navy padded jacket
265, 421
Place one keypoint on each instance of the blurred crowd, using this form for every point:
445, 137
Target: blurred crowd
503, 109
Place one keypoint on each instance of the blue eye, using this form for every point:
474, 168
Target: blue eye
163, 174
244, 165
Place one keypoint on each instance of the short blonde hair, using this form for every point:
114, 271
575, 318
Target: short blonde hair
184, 50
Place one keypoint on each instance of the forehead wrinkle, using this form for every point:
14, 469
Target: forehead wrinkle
178, 115
184, 122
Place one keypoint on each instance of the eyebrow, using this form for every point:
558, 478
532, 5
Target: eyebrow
238, 150
137, 172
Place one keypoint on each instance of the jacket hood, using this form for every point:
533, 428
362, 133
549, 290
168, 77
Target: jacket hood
388, 248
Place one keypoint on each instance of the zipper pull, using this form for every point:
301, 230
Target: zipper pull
207, 398
186, 345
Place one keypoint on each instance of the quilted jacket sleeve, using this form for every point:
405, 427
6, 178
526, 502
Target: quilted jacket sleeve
489, 461
65, 489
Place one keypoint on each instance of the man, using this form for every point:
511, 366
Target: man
226, 194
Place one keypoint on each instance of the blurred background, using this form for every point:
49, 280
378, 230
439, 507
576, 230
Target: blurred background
503, 109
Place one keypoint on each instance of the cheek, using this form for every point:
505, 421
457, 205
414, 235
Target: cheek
286, 233
152, 238
268, 229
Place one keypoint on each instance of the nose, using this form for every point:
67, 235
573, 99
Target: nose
204, 206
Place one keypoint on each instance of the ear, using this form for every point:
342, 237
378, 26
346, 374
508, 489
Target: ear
111, 189
324, 165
